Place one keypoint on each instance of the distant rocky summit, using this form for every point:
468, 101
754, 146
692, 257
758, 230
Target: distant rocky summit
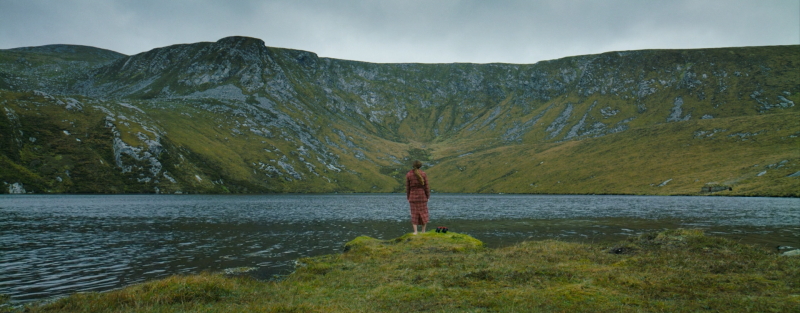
237, 116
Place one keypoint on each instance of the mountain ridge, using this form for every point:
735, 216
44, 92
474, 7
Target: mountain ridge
283, 120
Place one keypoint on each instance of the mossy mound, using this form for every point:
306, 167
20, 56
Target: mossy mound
428, 241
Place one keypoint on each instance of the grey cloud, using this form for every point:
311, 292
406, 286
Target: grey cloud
407, 30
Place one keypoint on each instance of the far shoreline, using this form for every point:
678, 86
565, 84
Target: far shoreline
715, 194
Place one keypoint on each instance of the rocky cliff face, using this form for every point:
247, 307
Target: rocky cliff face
238, 116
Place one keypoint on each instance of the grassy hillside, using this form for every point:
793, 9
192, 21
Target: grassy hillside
684, 157
237, 116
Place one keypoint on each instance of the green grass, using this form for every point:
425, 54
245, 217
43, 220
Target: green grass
672, 271
637, 161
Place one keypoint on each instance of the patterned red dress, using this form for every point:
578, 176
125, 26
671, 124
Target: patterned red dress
417, 195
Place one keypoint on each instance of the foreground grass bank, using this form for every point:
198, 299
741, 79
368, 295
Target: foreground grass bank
672, 271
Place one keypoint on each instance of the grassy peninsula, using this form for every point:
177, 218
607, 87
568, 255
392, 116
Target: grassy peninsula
672, 271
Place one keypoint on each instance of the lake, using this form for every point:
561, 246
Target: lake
54, 245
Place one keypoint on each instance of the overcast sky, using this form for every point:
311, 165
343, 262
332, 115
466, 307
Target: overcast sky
393, 31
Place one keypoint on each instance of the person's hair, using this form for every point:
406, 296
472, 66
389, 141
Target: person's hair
417, 165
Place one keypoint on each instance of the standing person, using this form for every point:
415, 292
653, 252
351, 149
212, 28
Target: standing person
418, 190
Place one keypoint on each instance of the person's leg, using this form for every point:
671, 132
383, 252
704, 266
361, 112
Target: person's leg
423, 227
415, 228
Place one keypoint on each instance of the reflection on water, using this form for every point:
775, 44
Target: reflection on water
55, 245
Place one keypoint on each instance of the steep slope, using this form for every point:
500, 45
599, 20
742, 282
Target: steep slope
51, 67
237, 116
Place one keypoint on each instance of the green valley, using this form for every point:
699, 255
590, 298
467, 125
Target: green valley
236, 116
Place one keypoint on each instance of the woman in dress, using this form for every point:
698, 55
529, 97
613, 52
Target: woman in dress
418, 191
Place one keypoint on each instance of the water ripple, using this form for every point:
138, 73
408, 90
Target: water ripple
53, 245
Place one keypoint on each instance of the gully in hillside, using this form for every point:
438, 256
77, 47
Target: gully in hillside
418, 191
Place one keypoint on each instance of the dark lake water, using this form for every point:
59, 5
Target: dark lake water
54, 245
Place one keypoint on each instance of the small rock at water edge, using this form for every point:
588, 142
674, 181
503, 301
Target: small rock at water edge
791, 253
